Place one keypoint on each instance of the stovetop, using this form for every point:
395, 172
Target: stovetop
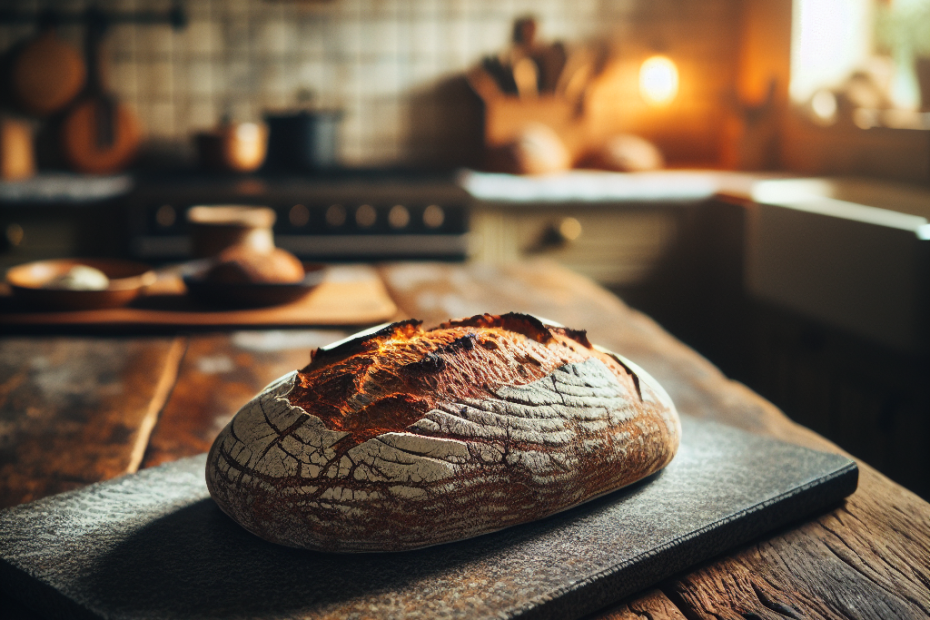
343, 214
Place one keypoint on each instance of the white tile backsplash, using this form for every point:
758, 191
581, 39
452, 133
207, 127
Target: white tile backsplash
158, 82
199, 37
160, 119
201, 115
152, 42
201, 80
383, 61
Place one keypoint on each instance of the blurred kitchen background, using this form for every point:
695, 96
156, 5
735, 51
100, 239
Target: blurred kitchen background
390, 66
754, 174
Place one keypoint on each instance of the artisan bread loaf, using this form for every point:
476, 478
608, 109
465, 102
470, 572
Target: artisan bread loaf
403, 438
243, 265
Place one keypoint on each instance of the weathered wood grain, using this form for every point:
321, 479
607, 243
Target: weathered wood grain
866, 559
218, 375
78, 410
651, 605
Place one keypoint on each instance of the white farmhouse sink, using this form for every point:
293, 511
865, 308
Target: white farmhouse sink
853, 254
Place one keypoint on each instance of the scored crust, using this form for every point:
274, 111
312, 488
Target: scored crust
404, 438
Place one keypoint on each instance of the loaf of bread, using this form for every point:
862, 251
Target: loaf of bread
243, 265
400, 438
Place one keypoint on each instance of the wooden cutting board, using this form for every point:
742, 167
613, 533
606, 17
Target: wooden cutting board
348, 295
154, 545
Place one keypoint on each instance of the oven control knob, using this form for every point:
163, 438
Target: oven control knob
14, 234
165, 216
433, 216
398, 216
335, 216
299, 216
366, 216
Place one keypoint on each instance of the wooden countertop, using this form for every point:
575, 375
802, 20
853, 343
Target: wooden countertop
74, 410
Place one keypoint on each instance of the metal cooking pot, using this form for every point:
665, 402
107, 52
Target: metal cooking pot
303, 140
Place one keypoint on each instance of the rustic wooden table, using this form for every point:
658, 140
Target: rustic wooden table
76, 409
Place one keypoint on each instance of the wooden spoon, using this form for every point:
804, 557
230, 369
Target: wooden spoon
576, 74
526, 76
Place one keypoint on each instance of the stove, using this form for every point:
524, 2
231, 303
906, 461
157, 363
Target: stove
342, 216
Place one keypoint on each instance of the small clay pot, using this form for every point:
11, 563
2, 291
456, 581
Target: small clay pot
216, 228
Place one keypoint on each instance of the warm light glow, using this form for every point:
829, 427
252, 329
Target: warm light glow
658, 80
830, 39
823, 105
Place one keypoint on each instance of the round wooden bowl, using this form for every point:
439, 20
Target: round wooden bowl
252, 295
127, 279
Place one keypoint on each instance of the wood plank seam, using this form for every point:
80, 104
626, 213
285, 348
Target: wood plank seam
166, 383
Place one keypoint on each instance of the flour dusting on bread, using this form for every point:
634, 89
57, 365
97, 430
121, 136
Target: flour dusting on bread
404, 438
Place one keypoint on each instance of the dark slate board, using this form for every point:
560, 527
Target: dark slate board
153, 545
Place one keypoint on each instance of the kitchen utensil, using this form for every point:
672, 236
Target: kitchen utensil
99, 134
524, 33
217, 227
251, 295
484, 83
502, 76
576, 73
154, 544
47, 73
536, 67
127, 280
17, 160
551, 61
526, 77
233, 147
303, 140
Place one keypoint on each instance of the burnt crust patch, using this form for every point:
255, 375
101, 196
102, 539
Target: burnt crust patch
327, 356
578, 335
525, 324
431, 362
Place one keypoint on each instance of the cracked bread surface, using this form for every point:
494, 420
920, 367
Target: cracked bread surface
404, 438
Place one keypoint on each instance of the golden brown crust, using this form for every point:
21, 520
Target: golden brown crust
390, 379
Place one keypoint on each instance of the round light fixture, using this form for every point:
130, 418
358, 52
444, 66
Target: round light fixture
658, 80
